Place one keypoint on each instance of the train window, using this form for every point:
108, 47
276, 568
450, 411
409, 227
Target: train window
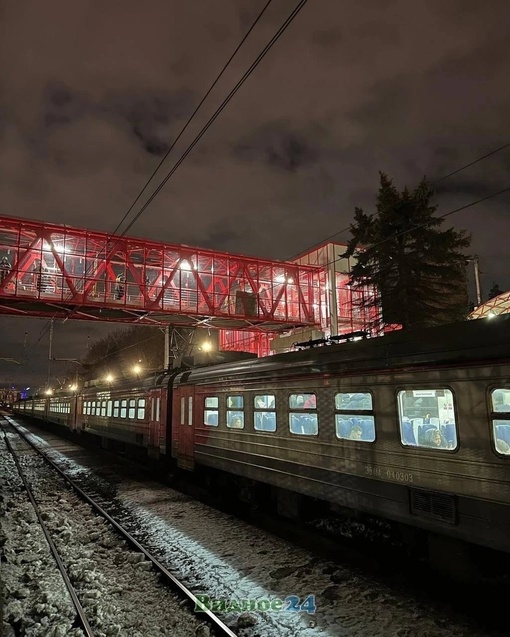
235, 415
132, 409
103, 408
500, 399
190, 410
183, 410
158, 402
427, 418
354, 416
211, 406
264, 416
109, 408
84, 408
500, 404
115, 408
123, 408
303, 401
303, 421
141, 409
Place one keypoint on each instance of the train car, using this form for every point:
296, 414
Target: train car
132, 413
60, 410
409, 427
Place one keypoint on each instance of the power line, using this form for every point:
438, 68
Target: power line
259, 58
446, 214
437, 181
45, 330
183, 129
472, 163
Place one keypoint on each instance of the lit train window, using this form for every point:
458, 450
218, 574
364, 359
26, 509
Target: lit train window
123, 408
235, 413
190, 410
235, 402
264, 415
141, 409
211, 406
427, 418
354, 416
304, 420
103, 408
500, 416
115, 408
109, 408
183, 410
132, 409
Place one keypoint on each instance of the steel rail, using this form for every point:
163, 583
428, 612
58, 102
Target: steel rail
220, 628
80, 612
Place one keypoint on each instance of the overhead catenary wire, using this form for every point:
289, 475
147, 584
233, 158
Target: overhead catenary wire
222, 106
192, 116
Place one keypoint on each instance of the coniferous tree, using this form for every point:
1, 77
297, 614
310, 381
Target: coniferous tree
417, 268
494, 291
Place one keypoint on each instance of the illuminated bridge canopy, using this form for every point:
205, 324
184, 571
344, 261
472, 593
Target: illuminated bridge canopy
493, 307
58, 271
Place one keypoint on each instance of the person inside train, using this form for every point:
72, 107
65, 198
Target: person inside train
310, 402
356, 432
434, 438
236, 422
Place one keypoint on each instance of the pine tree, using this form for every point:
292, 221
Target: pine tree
418, 269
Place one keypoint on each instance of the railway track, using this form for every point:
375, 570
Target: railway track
82, 620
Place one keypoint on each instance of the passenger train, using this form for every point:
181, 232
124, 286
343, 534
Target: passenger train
410, 427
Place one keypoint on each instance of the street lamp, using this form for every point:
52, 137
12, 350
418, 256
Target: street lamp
109, 378
206, 346
137, 369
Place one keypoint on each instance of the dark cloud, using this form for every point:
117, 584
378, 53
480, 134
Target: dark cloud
279, 147
152, 117
92, 96
61, 105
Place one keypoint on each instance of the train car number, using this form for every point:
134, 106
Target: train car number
390, 474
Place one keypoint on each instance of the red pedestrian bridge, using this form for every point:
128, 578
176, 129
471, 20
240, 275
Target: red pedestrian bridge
57, 271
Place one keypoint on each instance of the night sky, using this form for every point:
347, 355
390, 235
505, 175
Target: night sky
93, 93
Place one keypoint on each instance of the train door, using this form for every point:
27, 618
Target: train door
186, 426
154, 421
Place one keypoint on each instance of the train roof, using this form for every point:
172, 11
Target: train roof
461, 343
157, 379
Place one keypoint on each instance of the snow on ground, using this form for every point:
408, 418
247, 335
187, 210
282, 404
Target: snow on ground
224, 558
116, 586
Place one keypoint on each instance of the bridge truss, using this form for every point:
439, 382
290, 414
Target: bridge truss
58, 271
